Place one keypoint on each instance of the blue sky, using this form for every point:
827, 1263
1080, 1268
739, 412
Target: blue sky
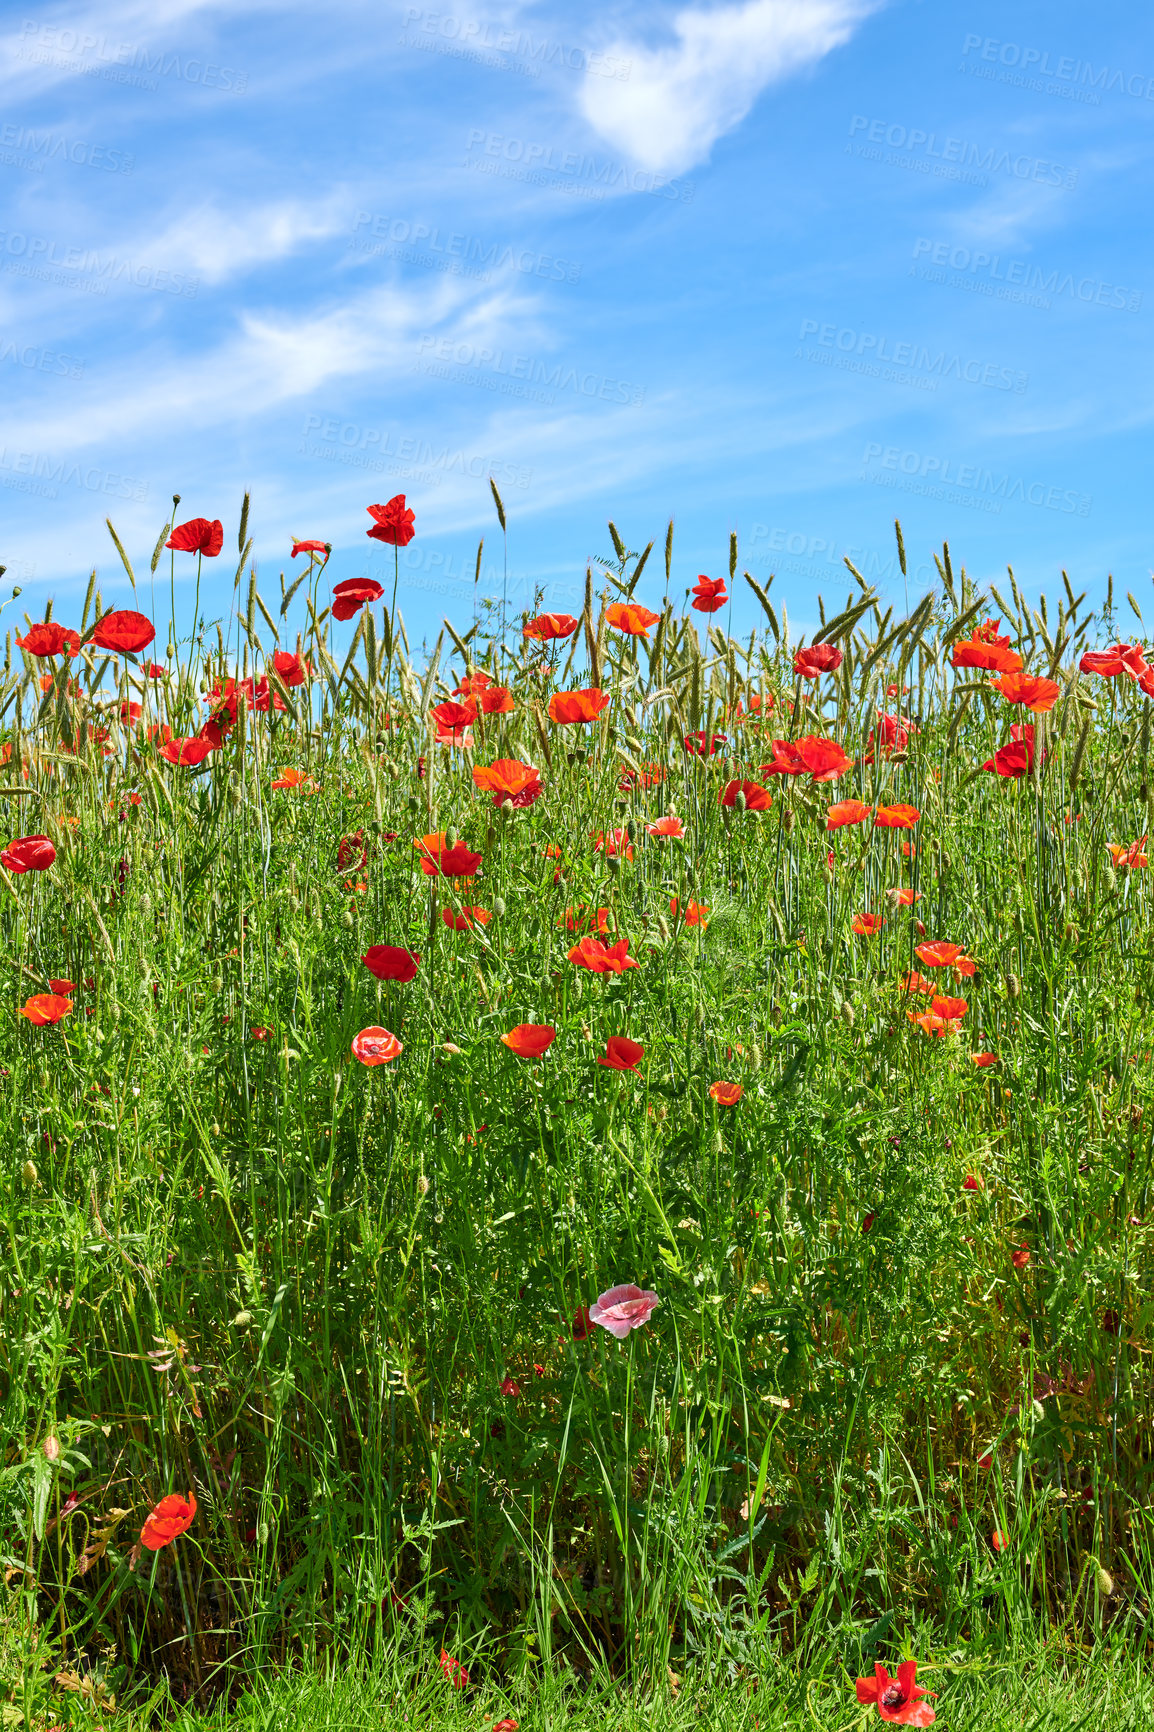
782, 267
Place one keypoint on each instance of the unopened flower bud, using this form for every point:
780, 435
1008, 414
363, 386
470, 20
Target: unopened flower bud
242, 1320
739, 801
451, 837
499, 907
847, 1013
613, 862
1105, 1583
422, 1186
52, 1446
787, 820
663, 926
29, 1174
1013, 986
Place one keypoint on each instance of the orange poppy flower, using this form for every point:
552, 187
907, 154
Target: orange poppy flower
1119, 658
846, 812
1126, 856
950, 1009
585, 919
62, 988
295, 779
473, 685
188, 752
508, 779
983, 1059
672, 828
937, 953
726, 1094
694, 913
621, 1053
44, 1008
550, 625
989, 652
375, 1045
757, 798
529, 1039
631, 617
931, 1024
1021, 1257
896, 817
453, 721
616, 842
915, 982
601, 958
172, 1516
905, 898
496, 701
1032, 693
868, 925
567, 708
466, 919
437, 861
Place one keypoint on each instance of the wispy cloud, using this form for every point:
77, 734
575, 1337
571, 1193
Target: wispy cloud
681, 98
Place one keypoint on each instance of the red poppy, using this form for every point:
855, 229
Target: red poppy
1034, 694
390, 962
600, 958
566, 708
846, 812
616, 843
757, 798
131, 713
124, 631
709, 594
157, 670
45, 1007
984, 648
950, 1009
898, 817
621, 1053
393, 523
1016, 758
473, 685
375, 1045
1120, 658
868, 925
324, 547
529, 1039
904, 898
437, 861
631, 618
726, 1094
893, 734
824, 759
28, 854
596, 920
48, 639
293, 670
198, 535
818, 659
506, 1725
582, 1323
509, 779
999, 1540
703, 746
972, 1182
937, 953
188, 751
62, 988
550, 625
931, 1024
454, 720
899, 1699
694, 914
983, 1059
351, 595
1021, 1257
787, 760
671, 828
453, 1670
497, 701
466, 919
172, 1516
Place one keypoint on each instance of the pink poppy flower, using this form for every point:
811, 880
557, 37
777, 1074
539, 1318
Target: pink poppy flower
623, 1308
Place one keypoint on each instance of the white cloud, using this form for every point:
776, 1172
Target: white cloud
215, 246
680, 99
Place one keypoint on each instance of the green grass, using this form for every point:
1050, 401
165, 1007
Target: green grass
244, 1265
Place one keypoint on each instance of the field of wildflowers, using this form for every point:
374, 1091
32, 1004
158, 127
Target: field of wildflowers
606, 1151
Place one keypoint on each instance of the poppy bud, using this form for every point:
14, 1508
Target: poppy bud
451, 838
29, 1174
422, 1186
787, 820
507, 805
1109, 880
613, 862
663, 926
755, 1057
739, 801
1105, 1582
699, 1014
631, 829
52, 1446
827, 873
347, 917
414, 803
847, 1013
499, 908
1013, 986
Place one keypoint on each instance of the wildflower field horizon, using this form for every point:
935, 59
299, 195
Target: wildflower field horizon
613, 1152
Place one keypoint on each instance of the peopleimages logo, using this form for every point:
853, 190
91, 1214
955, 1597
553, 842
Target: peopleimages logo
883, 358
937, 476
35, 148
957, 152
1066, 68
412, 240
1020, 279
